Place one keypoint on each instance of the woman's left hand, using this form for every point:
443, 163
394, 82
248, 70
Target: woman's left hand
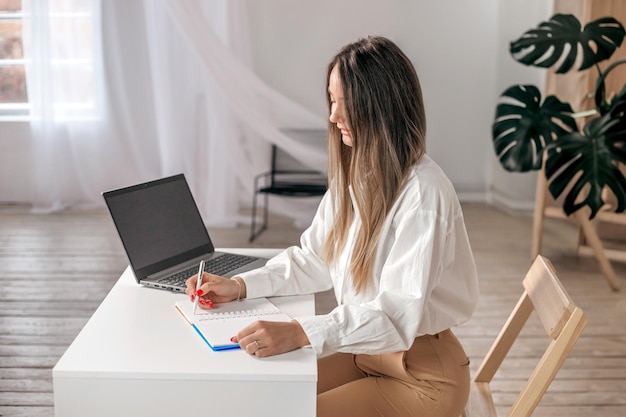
268, 338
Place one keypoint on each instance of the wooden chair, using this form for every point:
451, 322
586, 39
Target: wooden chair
563, 322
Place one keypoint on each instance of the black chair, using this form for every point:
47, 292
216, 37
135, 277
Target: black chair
286, 182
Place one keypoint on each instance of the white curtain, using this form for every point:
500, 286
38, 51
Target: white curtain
175, 94
88, 135
237, 115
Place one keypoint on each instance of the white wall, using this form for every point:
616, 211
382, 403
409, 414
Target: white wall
460, 50
452, 44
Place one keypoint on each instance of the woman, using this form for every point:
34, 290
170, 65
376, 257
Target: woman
390, 239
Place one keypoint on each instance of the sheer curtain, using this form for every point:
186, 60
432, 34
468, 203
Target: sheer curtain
83, 140
239, 113
171, 90
62, 56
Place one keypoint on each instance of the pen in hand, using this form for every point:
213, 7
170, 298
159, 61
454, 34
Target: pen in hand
198, 285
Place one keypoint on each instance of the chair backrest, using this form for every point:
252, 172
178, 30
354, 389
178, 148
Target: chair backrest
563, 323
282, 161
287, 171
285, 164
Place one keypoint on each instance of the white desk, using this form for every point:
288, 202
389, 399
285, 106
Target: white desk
137, 357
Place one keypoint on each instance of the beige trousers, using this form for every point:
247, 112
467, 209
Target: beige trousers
430, 379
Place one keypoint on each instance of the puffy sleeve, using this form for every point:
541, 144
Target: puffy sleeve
426, 283
297, 269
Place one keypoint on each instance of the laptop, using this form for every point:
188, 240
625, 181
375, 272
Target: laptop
164, 236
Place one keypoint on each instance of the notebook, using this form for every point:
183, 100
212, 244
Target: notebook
164, 236
216, 326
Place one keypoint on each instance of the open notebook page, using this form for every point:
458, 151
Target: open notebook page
216, 326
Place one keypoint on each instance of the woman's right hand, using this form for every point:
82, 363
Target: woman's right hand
215, 289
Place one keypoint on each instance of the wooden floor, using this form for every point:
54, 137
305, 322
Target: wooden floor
56, 269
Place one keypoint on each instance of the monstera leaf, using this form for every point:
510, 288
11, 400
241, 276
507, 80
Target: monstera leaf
560, 38
523, 128
588, 161
602, 105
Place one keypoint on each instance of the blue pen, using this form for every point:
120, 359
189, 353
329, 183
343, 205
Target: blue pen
198, 285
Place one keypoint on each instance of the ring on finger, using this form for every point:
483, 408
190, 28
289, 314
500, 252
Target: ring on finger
256, 343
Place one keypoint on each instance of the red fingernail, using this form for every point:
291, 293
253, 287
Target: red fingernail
193, 297
233, 339
199, 292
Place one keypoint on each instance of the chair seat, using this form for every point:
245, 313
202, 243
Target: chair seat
290, 189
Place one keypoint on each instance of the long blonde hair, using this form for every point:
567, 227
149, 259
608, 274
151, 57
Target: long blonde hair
385, 114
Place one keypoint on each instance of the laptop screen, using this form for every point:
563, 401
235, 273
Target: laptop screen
159, 224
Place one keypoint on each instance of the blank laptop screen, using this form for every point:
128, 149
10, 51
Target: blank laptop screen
158, 221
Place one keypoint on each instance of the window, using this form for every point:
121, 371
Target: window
13, 94
60, 59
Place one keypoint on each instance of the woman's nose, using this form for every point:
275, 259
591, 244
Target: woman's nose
334, 115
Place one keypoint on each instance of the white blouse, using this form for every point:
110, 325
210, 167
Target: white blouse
425, 278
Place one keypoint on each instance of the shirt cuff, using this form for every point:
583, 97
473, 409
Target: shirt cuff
322, 333
257, 283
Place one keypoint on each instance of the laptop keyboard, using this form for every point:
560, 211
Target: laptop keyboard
218, 266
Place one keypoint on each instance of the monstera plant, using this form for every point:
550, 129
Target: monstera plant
528, 132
